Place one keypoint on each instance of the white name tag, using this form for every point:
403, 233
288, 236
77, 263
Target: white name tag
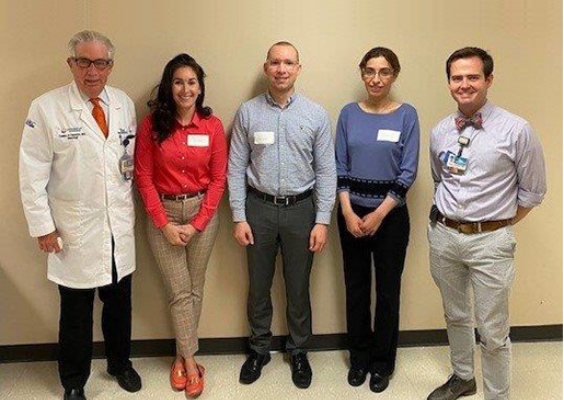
198, 140
386, 135
264, 137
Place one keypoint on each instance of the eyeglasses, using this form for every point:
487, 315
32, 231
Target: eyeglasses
100, 63
383, 73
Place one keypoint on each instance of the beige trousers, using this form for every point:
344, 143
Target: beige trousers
183, 271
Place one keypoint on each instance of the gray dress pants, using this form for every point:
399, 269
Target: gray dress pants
286, 228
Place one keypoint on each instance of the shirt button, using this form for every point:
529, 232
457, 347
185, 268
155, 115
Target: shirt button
185, 185
183, 157
183, 171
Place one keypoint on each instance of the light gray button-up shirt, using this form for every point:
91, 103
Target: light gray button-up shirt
282, 152
505, 167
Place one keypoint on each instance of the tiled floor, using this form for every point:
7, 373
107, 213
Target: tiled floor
537, 374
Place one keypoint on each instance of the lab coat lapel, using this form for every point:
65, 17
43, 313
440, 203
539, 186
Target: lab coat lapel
115, 110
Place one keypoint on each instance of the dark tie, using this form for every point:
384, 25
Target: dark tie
99, 116
475, 121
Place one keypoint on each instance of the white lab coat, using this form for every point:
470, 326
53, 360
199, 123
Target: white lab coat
70, 181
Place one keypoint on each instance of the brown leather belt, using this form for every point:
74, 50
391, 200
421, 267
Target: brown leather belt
472, 227
181, 197
281, 200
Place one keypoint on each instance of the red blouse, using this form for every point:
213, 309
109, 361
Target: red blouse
193, 159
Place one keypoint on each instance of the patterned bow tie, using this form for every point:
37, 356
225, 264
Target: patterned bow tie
475, 121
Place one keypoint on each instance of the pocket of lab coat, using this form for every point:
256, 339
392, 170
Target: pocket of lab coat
68, 221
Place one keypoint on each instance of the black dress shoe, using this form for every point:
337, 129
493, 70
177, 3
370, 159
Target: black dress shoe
252, 368
128, 380
74, 394
379, 383
301, 370
357, 376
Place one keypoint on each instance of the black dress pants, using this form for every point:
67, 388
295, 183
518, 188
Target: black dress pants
374, 348
75, 330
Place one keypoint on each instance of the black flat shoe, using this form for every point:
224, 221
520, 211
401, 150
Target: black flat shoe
357, 376
301, 370
252, 368
74, 394
379, 383
129, 380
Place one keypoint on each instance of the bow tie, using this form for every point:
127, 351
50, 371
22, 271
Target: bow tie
475, 121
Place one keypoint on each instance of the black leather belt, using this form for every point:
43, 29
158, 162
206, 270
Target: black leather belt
472, 227
180, 197
281, 200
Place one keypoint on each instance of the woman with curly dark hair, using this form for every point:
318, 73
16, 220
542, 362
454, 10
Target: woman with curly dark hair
180, 169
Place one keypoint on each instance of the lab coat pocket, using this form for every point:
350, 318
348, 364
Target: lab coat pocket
68, 221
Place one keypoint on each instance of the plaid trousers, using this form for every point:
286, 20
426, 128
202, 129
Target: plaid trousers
183, 270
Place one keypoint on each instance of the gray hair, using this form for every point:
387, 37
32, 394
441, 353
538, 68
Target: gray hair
91, 36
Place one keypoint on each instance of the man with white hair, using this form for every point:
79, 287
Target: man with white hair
75, 179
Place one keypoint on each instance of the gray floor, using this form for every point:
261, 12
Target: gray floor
537, 374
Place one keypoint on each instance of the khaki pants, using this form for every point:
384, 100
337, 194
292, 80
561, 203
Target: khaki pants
481, 263
183, 271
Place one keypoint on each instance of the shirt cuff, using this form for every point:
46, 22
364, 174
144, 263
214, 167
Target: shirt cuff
239, 216
400, 201
323, 217
528, 199
160, 220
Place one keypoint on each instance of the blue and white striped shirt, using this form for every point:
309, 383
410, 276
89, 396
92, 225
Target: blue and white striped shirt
282, 152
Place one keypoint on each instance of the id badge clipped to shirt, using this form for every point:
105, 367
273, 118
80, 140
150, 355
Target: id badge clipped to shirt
126, 166
126, 161
457, 165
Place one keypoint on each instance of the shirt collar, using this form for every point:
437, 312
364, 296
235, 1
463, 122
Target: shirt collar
486, 110
102, 96
270, 99
196, 121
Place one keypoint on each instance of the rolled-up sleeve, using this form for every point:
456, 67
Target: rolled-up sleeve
531, 172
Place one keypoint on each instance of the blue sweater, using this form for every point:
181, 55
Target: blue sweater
377, 154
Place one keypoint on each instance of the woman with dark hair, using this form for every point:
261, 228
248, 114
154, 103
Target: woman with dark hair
377, 150
180, 169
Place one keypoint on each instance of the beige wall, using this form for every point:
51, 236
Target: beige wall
230, 38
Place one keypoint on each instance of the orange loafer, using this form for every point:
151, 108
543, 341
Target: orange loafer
195, 384
178, 377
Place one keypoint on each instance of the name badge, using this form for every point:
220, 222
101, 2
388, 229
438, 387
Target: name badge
264, 137
455, 164
126, 166
198, 140
387, 135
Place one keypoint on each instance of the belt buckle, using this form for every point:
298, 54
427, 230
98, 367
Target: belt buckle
465, 228
285, 200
